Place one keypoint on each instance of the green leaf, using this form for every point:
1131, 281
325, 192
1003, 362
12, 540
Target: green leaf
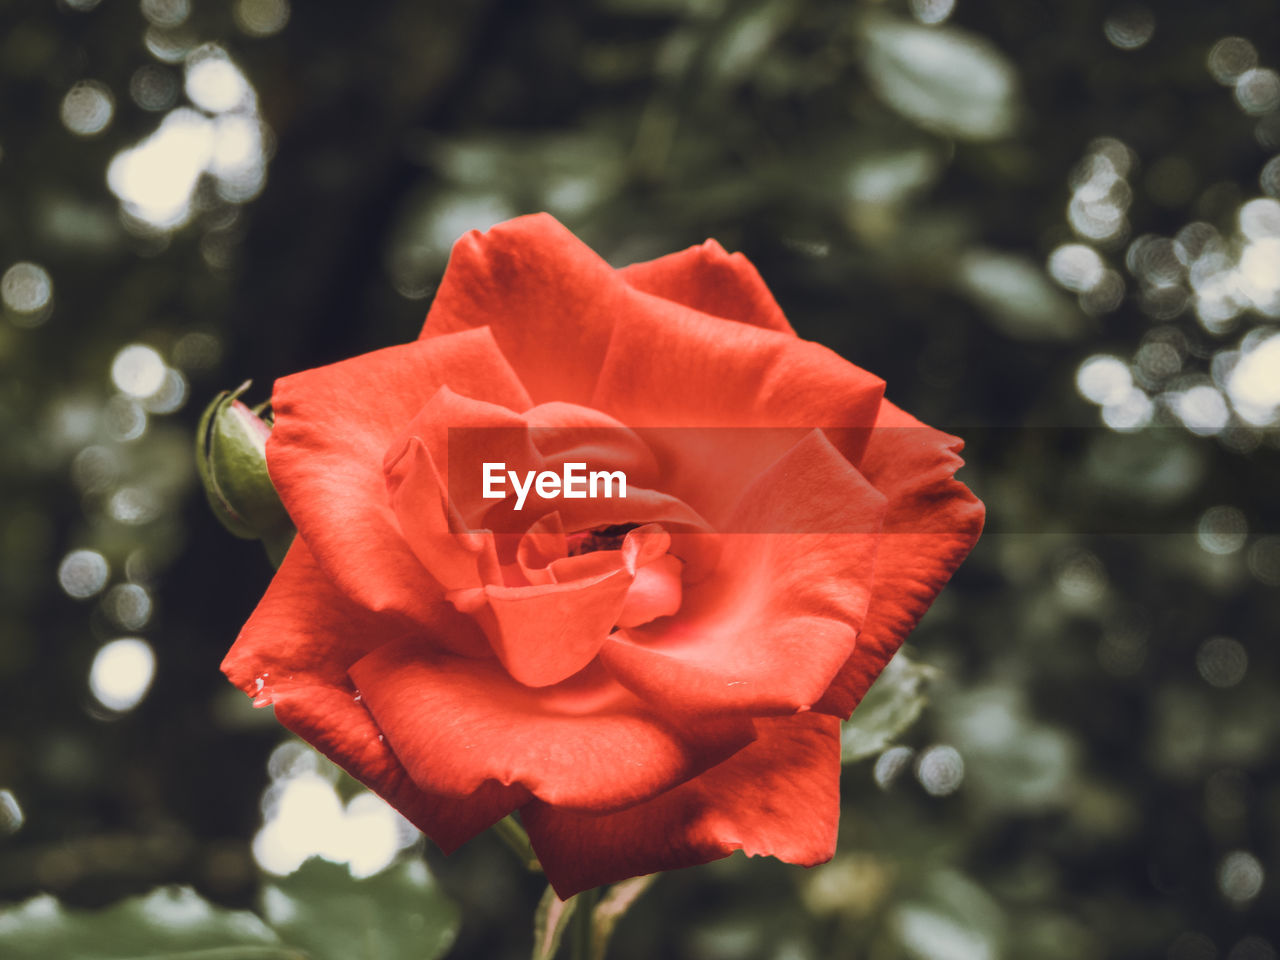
951, 919
399, 914
943, 79
1017, 297
550, 921
170, 923
891, 706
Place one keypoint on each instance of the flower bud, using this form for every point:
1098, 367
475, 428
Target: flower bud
231, 454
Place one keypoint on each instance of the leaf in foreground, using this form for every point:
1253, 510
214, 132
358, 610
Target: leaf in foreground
168, 922
891, 706
399, 914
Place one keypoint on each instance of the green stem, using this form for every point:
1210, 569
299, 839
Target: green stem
513, 835
581, 926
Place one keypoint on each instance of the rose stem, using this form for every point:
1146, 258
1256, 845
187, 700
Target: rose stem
513, 836
580, 924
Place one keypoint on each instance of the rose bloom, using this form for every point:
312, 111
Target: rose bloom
652, 681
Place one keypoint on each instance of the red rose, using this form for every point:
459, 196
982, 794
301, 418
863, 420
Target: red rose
652, 682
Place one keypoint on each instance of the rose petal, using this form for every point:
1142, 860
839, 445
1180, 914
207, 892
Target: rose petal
539, 546
548, 297
461, 435
708, 279
933, 521
544, 634
769, 630
670, 367
584, 744
332, 427
778, 797
656, 592
296, 648
566, 433
342, 729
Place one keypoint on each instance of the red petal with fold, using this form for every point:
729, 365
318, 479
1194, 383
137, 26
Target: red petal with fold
548, 297
778, 797
932, 524
584, 744
333, 425
769, 631
546, 633
708, 279
668, 366
299, 642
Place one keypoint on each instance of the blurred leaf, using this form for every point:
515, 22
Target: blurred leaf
953, 920
890, 177
1012, 761
946, 80
891, 705
167, 922
400, 914
612, 908
550, 921
1017, 297
1151, 468
745, 41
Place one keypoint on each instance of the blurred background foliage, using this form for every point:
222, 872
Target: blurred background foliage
1052, 227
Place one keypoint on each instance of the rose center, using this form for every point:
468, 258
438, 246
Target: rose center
603, 538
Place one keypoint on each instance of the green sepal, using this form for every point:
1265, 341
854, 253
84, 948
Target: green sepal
232, 463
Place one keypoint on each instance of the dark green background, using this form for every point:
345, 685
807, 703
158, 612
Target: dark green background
1106, 780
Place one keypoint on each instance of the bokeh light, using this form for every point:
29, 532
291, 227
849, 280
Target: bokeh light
1130, 27
27, 292
124, 418
138, 370
170, 395
1222, 530
121, 673
154, 87
1269, 177
1133, 411
1230, 57
133, 505
166, 13
88, 107
129, 605
1222, 661
890, 765
932, 11
1104, 379
83, 573
1077, 267
940, 770
1254, 381
1202, 409
216, 84
1100, 193
1240, 876
1264, 560
304, 817
1258, 91
261, 18
155, 179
